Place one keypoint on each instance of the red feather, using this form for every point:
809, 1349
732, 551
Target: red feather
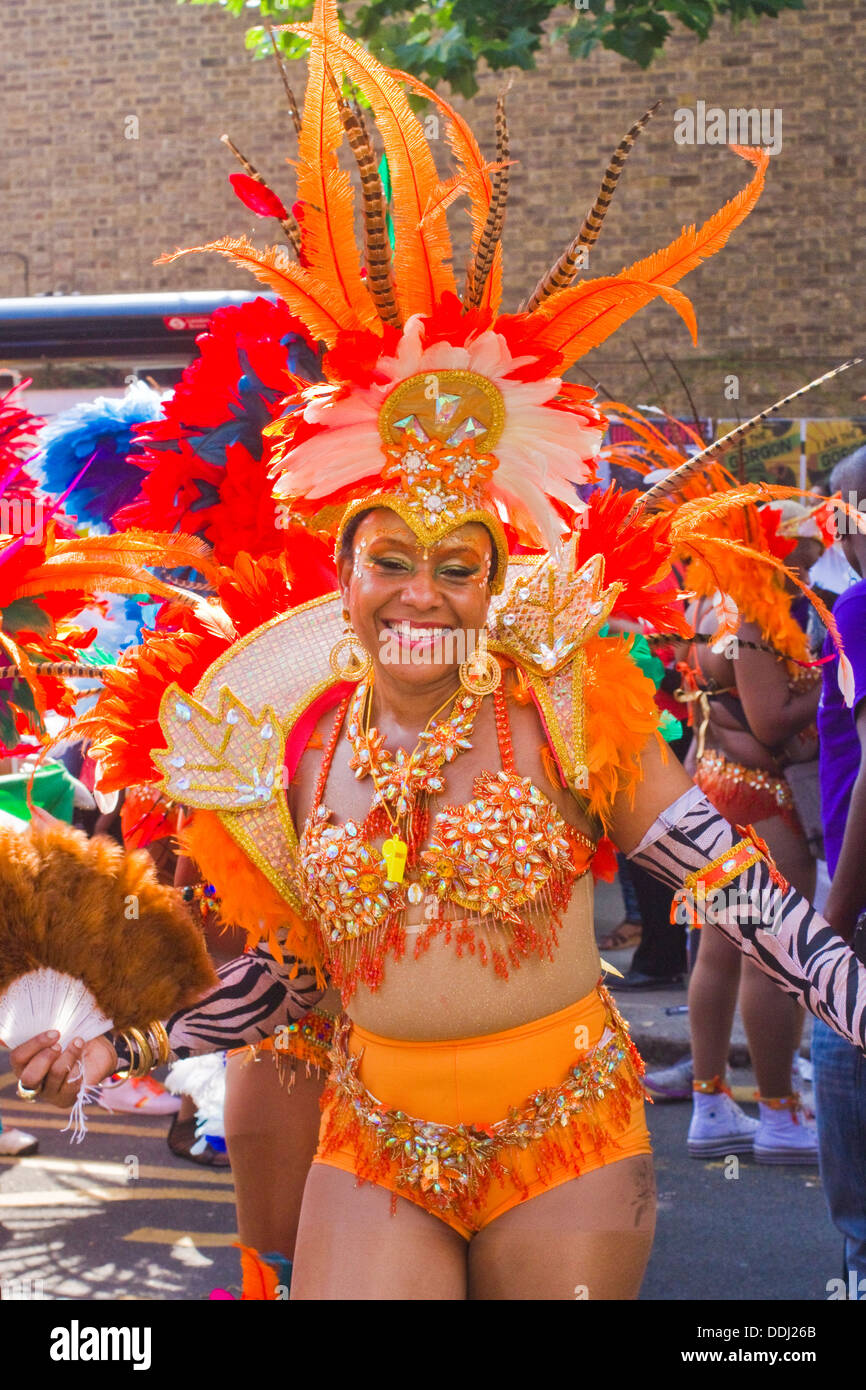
258, 197
636, 555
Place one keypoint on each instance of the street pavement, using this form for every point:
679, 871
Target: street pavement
119, 1217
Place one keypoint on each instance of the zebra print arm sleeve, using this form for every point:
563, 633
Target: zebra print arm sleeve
759, 914
254, 996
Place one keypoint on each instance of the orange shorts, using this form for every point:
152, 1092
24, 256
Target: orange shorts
483, 1146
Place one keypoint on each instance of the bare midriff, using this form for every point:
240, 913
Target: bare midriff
439, 996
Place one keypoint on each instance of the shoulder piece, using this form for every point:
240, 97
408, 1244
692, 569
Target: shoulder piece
548, 609
226, 741
597, 706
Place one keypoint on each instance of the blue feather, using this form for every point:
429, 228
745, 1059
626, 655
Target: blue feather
101, 430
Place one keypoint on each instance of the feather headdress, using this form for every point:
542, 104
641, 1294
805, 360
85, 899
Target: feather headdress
445, 411
734, 540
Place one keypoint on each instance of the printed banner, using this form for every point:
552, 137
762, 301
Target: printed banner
828, 441
772, 451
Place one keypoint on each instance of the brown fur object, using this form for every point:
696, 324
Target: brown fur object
88, 908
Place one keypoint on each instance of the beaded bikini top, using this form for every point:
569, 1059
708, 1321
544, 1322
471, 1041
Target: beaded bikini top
494, 876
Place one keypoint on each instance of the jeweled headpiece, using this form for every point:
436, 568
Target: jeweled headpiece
435, 405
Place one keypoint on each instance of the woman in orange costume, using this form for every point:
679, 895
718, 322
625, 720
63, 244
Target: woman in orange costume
757, 717
417, 824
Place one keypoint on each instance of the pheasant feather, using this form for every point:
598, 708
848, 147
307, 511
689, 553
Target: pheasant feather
377, 248
490, 242
561, 275
668, 487
273, 204
421, 270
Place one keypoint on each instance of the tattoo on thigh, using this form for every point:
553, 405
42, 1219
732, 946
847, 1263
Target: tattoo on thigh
644, 1194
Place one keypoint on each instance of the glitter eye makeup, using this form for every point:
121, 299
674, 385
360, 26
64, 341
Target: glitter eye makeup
454, 562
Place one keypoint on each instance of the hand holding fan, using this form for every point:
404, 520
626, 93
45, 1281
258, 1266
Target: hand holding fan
89, 939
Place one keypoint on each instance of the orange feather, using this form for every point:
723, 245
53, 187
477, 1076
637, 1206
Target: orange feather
691, 247
307, 297
662, 268
247, 899
160, 548
325, 190
583, 316
26, 669
258, 1278
474, 180
421, 270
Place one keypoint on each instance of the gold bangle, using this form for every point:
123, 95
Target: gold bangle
158, 1039
143, 1059
148, 1048
125, 1073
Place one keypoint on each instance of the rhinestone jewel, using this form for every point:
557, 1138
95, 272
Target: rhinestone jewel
445, 408
470, 428
182, 710
410, 424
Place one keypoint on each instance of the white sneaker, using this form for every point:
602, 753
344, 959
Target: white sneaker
672, 1083
14, 1143
785, 1135
719, 1127
138, 1095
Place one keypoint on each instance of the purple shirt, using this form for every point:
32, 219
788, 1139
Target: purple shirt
839, 746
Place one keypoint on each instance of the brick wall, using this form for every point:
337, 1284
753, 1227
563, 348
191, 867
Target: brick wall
91, 207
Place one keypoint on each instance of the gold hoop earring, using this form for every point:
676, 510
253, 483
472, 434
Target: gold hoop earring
348, 659
481, 673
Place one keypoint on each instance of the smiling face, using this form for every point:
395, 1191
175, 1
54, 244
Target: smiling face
417, 610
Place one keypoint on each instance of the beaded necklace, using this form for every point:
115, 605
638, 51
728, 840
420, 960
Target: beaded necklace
406, 780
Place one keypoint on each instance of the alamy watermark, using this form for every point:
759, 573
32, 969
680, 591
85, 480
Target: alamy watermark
848, 524
738, 125
21, 1289
420, 644
77, 1343
22, 517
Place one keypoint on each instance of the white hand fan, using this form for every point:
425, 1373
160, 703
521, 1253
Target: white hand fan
44, 999
90, 940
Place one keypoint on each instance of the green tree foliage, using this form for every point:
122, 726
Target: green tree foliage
444, 40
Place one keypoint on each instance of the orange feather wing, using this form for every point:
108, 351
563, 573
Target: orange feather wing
308, 298
579, 318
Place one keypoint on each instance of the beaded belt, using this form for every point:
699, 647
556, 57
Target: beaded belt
755, 794
308, 1040
451, 1165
